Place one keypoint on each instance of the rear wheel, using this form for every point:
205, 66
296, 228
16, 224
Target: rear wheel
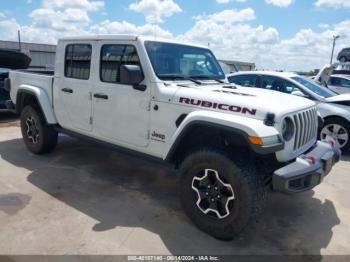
217, 195
338, 129
39, 137
343, 59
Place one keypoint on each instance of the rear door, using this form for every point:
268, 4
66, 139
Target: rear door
73, 88
120, 112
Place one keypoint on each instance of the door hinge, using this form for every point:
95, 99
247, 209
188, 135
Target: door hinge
90, 95
90, 120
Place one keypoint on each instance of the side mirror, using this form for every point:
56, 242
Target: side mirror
132, 75
299, 93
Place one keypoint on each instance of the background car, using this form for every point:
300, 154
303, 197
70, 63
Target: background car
339, 83
344, 55
10, 60
334, 108
342, 69
4, 95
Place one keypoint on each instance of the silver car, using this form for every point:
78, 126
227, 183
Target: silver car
339, 83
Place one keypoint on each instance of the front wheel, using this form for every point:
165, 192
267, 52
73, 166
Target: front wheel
39, 137
338, 129
217, 195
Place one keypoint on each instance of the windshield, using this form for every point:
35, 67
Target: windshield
175, 61
313, 87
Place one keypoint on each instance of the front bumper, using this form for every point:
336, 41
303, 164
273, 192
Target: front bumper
308, 170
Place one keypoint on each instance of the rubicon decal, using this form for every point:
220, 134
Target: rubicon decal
223, 107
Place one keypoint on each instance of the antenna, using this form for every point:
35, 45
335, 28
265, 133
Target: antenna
19, 40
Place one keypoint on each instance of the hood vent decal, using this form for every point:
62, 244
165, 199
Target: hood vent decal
232, 93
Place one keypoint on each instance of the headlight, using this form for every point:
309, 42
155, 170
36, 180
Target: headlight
288, 129
271, 140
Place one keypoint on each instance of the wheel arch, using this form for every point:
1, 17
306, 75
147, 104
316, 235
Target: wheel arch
336, 117
193, 134
27, 95
205, 134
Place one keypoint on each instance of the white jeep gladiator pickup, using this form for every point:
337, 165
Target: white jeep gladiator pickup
170, 101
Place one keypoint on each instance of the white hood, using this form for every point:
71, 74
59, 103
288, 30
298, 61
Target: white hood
261, 101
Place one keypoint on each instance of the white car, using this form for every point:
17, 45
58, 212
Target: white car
333, 108
335, 77
339, 83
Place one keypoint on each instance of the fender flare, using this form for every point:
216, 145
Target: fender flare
243, 128
42, 98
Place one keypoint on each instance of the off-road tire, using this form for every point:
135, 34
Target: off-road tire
46, 135
342, 122
249, 191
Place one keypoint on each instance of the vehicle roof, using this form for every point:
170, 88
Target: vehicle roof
268, 73
128, 38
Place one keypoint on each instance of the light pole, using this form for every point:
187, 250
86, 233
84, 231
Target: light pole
335, 37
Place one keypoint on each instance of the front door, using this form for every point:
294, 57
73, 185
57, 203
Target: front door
120, 113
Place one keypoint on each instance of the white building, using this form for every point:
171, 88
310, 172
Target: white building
230, 66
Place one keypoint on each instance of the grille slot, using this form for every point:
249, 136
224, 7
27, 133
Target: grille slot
305, 127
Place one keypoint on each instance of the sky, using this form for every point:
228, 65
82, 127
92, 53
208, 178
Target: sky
294, 35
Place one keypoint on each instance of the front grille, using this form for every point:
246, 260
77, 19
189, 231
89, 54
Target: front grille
305, 127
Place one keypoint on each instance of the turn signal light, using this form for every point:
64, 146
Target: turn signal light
256, 140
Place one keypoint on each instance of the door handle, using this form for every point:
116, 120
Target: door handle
100, 95
67, 90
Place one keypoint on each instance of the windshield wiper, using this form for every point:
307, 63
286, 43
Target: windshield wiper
209, 78
180, 77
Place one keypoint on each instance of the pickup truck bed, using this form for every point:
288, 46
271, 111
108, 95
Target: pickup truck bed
38, 78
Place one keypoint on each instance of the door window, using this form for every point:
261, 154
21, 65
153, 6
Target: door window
78, 61
344, 82
279, 84
112, 57
244, 80
334, 81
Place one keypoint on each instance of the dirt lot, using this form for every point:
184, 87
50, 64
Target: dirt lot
85, 199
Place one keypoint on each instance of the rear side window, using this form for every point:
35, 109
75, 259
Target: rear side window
335, 81
345, 82
112, 57
244, 80
78, 61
